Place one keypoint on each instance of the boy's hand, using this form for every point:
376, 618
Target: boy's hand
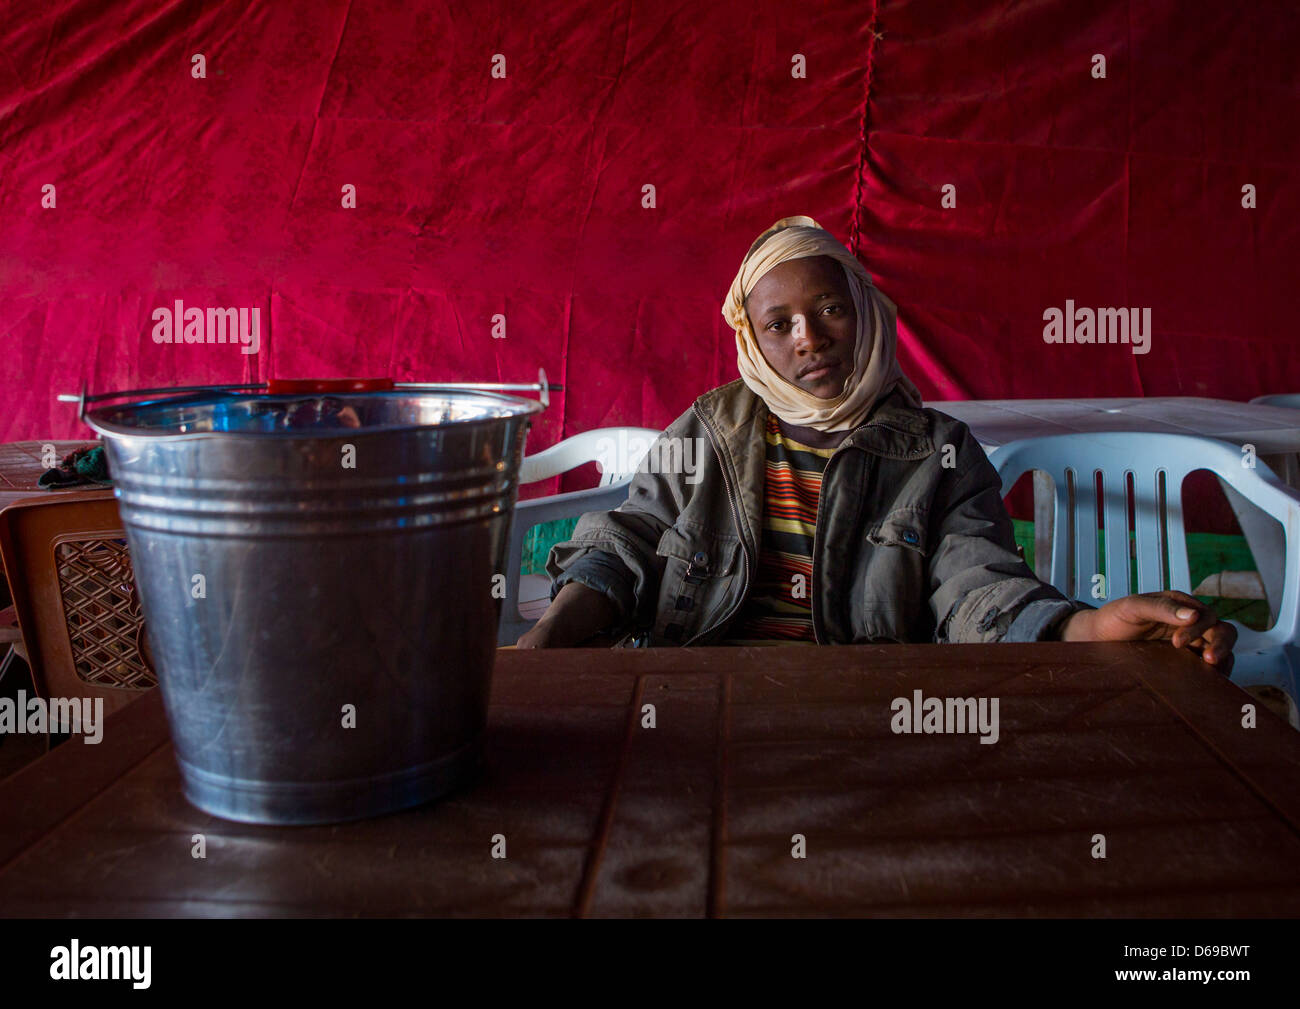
576, 613
1158, 616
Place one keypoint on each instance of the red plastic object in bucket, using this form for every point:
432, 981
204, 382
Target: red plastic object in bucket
298, 386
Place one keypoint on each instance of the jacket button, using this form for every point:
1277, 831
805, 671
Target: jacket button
909, 536
700, 558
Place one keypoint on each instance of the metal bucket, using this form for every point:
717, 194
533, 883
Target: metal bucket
316, 577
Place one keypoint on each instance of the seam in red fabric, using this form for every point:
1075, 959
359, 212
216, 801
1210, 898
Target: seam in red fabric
862, 128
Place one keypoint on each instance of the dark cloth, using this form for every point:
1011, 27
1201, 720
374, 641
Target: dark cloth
84, 466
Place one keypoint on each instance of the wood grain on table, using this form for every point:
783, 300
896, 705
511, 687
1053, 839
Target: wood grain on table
1140, 743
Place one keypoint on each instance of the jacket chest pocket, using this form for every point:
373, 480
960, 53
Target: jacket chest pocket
893, 588
901, 529
699, 571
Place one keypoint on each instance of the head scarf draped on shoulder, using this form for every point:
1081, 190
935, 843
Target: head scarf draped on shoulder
875, 367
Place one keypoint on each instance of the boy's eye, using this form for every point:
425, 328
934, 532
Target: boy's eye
781, 325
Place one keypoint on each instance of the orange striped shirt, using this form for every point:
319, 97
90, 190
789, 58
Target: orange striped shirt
778, 608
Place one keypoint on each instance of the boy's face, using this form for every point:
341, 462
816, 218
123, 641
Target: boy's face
803, 318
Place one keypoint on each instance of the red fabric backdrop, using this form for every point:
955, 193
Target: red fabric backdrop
523, 196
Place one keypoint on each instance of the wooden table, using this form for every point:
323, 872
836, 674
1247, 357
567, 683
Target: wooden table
698, 815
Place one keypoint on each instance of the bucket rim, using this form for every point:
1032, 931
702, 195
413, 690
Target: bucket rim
524, 408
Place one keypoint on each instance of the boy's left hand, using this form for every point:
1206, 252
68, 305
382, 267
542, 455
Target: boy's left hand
1158, 616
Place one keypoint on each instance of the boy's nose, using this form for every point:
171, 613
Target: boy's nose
807, 335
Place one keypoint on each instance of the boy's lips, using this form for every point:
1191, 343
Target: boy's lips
825, 371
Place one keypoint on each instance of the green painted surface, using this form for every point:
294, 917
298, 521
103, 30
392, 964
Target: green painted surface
539, 540
1207, 553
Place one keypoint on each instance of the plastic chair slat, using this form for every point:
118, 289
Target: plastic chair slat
1148, 535
1115, 504
1085, 533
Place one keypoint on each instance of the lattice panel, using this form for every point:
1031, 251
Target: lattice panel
97, 584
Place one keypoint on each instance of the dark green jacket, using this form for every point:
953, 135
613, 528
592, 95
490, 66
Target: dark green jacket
912, 542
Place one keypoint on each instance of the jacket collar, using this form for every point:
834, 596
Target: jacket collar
893, 429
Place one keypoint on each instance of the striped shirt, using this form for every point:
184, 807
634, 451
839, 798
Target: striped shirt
778, 609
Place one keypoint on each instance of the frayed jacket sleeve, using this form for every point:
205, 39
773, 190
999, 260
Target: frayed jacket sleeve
606, 574
981, 590
616, 552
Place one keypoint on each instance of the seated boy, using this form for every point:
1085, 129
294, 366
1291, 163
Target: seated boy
828, 506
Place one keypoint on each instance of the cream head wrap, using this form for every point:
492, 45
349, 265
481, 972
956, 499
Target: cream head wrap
875, 366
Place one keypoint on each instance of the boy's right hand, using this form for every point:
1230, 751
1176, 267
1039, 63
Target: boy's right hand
576, 613
539, 636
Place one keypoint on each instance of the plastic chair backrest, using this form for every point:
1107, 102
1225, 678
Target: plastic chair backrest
73, 591
1156, 465
618, 450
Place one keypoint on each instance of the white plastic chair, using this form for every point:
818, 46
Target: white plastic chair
618, 451
1157, 465
1285, 464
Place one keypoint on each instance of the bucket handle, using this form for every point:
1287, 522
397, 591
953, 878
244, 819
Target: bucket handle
298, 386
